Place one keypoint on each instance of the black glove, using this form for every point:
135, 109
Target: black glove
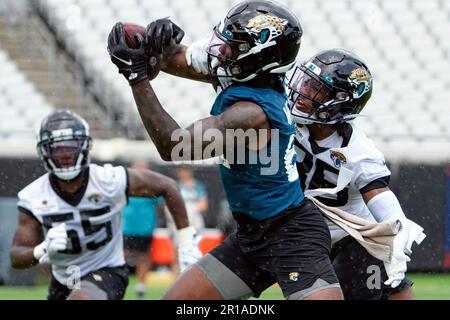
132, 63
159, 33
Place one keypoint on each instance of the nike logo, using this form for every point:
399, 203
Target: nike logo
121, 60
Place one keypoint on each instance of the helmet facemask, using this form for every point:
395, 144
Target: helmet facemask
315, 100
223, 55
65, 156
64, 143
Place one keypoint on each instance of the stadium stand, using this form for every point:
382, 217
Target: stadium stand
17, 93
411, 91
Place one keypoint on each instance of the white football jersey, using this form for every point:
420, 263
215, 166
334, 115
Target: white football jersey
320, 162
94, 225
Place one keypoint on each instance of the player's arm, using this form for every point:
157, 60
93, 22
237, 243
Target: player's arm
175, 63
150, 184
168, 135
369, 195
27, 236
147, 183
384, 206
164, 37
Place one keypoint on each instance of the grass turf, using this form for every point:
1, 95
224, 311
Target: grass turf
426, 287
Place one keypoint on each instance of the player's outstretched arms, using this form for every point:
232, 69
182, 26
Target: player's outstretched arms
27, 236
147, 183
174, 143
164, 37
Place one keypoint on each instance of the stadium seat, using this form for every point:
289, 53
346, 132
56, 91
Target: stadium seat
20, 102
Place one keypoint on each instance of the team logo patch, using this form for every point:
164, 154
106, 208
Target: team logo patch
337, 158
95, 197
266, 26
293, 276
360, 80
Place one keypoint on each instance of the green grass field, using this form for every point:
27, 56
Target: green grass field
426, 287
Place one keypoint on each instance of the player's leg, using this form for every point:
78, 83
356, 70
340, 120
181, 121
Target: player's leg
362, 276
142, 264
103, 284
404, 294
316, 277
215, 276
295, 247
192, 284
57, 291
135, 253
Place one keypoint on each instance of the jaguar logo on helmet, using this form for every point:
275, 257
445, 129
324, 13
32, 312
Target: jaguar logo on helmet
360, 80
266, 26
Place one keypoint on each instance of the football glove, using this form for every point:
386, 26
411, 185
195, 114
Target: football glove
55, 241
397, 267
197, 55
188, 251
161, 32
132, 63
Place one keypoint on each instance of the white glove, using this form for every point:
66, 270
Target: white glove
55, 240
197, 56
415, 234
397, 267
188, 251
40, 252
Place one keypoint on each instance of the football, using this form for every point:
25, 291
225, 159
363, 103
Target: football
154, 61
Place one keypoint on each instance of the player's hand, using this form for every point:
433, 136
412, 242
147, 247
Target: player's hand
55, 241
132, 63
40, 252
188, 251
197, 55
396, 268
160, 33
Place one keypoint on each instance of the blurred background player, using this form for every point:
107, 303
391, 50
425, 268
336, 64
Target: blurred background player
326, 93
253, 47
140, 218
196, 201
71, 216
194, 196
